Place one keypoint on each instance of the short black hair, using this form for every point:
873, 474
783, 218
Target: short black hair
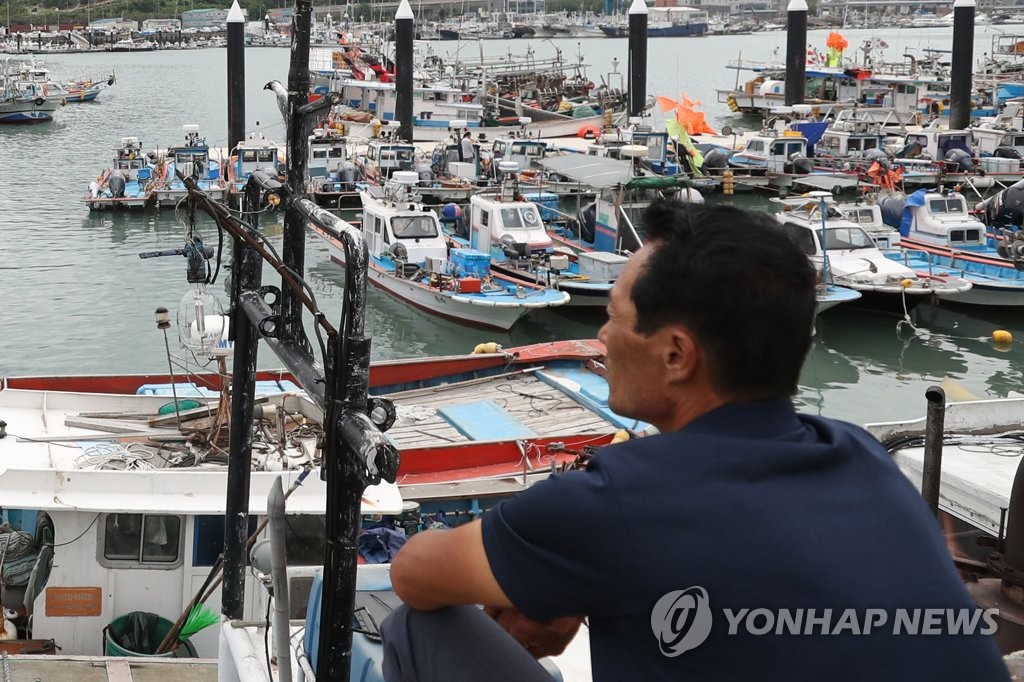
739, 283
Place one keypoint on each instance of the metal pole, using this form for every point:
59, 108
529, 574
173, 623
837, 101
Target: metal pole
637, 57
293, 249
236, 76
404, 65
796, 52
247, 276
279, 578
961, 70
934, 424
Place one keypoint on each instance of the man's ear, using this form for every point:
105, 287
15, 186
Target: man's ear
682, 353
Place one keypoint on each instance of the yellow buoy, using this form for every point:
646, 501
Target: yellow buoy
620, 436
1002, 336
906, 283
490, 347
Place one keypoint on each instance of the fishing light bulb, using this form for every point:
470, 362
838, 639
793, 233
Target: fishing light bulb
201, 320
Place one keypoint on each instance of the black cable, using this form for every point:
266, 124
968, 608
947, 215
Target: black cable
266, 641
50, 544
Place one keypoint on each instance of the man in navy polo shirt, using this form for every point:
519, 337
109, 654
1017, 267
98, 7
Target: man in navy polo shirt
745, 542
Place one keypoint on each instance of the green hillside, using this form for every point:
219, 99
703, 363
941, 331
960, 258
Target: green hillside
47, 12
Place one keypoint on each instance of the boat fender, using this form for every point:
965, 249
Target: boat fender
489, 347
39, 101
1002, 336
620, 436
906, 283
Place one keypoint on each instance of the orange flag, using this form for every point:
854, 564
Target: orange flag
666, 103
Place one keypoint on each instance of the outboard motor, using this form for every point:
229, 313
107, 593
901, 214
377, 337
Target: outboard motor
116, 182
892, 210
911, 151
716, 161
1005, 152
798, 165
878, 155
587, 217
959, 161
1005, 209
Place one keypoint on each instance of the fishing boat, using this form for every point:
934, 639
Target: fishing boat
86, 89
846, 255
509, 228
409, 259
255, 152
115, 507
23, 101
332, 171
192, 159
939, 235
127, 183
665, 22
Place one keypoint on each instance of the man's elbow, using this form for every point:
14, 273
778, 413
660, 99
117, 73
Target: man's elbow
407, 580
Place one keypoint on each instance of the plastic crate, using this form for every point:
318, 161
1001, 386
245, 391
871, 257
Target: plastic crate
470, 263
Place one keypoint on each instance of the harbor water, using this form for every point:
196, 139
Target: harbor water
76, 298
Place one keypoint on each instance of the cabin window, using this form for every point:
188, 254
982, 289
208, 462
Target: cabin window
485, 218
853, 145
498, 148
140, 541
319, 154
336, 153
248, 156
208, 538
304, 539
802, 236
847, 238
945, 206
265, 155
510, 217
755, 146
956, 236
972, 236
409, 227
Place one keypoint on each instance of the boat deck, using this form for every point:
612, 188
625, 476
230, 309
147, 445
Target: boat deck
516, 405
111, 669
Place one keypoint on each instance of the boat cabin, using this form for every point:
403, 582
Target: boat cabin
398, 226
849, 139
384, 158
523, 151
771, 151
130, 160
656, 143
869, 216
254, 153
502, 220
943, 217
434, 105
193, 159
328, 153
935, 144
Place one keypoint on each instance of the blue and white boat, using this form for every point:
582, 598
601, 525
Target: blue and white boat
255, 152
509, 228
938, 235
193, 161
127, 183
409, 258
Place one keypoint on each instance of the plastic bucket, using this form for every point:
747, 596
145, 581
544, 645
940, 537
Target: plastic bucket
156, 633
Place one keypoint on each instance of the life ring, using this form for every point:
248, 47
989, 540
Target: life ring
589, 132
39, 101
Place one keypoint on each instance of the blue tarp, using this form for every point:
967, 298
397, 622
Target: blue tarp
813, 133
914, 200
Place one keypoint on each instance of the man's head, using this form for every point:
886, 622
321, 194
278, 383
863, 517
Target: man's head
466, 134
717, 307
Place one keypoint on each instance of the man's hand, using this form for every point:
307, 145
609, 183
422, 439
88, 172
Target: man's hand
540, 639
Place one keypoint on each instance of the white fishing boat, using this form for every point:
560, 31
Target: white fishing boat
846, 255
938, 234
192, 159
409, 258
128, 182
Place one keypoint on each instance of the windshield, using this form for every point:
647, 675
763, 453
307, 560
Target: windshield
847, 238
524, 218
945, 206
409, 227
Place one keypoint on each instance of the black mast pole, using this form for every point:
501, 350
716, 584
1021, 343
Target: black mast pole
236, 76
637, 57
404, 33
796, 52
963, 58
